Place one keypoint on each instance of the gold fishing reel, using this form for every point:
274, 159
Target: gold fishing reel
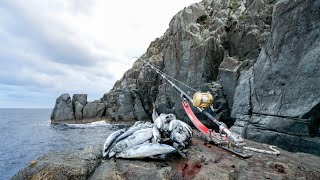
202, 100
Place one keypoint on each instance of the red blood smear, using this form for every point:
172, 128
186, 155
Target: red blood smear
189, 170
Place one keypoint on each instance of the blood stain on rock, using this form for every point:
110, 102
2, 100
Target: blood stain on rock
189, 170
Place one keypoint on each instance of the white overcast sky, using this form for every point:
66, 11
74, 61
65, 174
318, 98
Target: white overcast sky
50, 47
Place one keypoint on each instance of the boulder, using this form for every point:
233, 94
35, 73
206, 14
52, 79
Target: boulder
76, 164
63, 109
93, 110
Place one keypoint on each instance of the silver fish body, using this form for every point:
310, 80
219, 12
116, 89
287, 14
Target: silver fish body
146, 150
162, 121
136, 138
176, 123
111, 154
137, 123
181, 140
110, 140
181, 133
156, 134
132, 130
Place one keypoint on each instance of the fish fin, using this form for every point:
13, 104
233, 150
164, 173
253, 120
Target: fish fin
158, 157
182, 153
105, 152
111, 154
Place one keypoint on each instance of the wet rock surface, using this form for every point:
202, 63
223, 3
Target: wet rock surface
204, 161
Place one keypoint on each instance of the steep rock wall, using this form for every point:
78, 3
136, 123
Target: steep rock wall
278, 100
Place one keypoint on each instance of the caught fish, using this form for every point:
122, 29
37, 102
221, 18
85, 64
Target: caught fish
156, 134
162, 121
148, 124
136, 138
146, 150
136, 141
138, 123
111, 154
180, 137
110, 140
177, 124
162, 156
131, 130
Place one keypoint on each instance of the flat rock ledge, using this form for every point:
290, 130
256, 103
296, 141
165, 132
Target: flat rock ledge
204, 161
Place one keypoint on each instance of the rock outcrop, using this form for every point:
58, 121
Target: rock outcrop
63, 108
204, 161
77, 110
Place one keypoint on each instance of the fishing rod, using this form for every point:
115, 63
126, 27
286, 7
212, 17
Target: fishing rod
222, 126
225, 138
185, 95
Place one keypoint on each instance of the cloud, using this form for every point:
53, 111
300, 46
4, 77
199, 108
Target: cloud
78, 46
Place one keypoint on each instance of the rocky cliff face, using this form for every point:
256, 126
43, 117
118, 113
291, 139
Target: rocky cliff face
264, 53
278, 99
200, 38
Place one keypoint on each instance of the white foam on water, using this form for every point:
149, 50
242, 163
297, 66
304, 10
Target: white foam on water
92, 124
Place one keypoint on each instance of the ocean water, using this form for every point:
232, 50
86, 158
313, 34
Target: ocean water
26, 134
